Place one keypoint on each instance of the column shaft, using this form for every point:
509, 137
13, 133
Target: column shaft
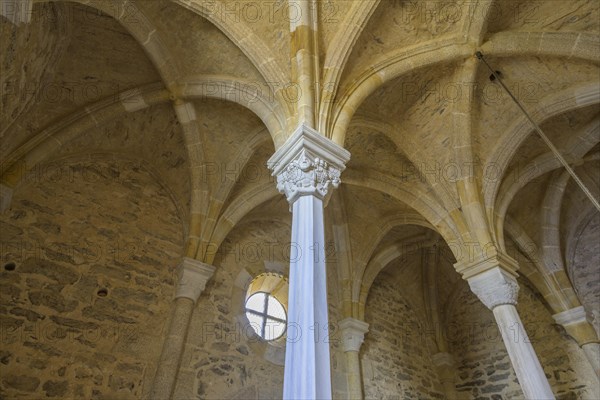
449, 388
529, 371
498, 289
193, 276
355, 391
592, 352
170, 358
446, 369
353, 334
307, 364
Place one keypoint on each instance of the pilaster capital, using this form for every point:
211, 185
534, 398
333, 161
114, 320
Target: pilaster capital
443, 360
577, 324
308, 164
193, 276
571, 316
353, 333
495, 287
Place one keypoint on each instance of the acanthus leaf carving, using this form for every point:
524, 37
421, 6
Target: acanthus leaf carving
307, 175
494, 288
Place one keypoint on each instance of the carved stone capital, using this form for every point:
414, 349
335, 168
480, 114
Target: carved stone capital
495, 287
353, 333
443, 360
307, 175
193, 276
308, 164
577, 324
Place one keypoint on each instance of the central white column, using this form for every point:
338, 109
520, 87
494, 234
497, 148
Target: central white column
307, 168
307, 371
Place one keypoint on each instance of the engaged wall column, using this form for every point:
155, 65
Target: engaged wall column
353, 334
446, 369
307, 167
578, 326
193, 276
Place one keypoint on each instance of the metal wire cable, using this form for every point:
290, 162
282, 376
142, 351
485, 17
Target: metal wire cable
543, 136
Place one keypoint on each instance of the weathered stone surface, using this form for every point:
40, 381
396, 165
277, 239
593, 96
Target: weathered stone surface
72, 323
130, 368
139, 296
220, 346
44, 348
394, 352
30, 315
23, 383
53, 321
10, 291
53, 300
243, 350
9, 231
108, 310
57, 272
55, 388
38, 364
5, 357
117, 383
10, 322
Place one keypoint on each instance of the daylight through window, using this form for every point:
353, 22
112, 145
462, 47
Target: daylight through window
266, 315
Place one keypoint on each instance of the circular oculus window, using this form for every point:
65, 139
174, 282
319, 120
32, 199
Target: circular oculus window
266, 315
